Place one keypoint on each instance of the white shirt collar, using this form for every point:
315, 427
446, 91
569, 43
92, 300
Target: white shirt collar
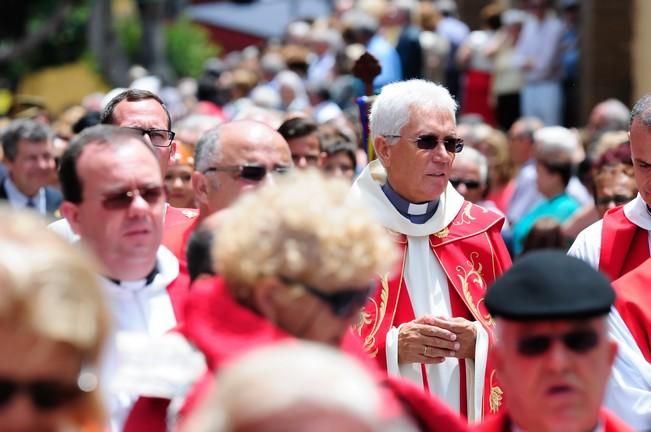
19, 199
168, 270
637, 213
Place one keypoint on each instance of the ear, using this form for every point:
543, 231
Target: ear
70, 211
200, 187
383, 150
172, 151
612, 348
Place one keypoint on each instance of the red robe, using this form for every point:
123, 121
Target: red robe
624, 245
633, 303
223, 330
472, 254
175, 238
501, 423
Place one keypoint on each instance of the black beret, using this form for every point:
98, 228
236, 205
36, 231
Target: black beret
549, 285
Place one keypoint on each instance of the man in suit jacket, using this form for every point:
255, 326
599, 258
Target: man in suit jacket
28, 157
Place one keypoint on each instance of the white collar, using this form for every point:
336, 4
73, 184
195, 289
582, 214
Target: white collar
637, 213
367, 190
168, 270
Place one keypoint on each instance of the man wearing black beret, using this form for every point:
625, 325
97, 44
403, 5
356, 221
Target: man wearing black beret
553, 353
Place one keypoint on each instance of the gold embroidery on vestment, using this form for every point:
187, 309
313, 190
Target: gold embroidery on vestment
473, 274
495, 396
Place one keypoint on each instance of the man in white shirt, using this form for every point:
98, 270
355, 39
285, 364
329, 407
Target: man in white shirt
617, 245
28, 155
114, 200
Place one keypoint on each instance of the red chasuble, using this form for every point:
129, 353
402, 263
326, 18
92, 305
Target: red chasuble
501, 423
633, 303
624, 245
472, 254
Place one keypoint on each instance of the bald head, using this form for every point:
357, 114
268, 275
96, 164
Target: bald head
233, 158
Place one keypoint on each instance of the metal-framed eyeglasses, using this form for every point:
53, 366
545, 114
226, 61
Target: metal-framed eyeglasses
158, 137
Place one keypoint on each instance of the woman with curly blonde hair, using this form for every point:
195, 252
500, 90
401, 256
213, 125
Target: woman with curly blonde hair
53, 323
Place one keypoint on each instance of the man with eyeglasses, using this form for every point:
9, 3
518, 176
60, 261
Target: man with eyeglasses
616, 245
553, 354
427, 321
114, 200
229, 160
144, 113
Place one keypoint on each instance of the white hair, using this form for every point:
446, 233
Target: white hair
392, 107
277, 378
556, 143
471, 155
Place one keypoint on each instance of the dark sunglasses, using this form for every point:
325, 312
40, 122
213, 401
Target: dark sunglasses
158, 137
45, 395
249, 172
470, 184
342, 303
122, 200
616, 199
577, 341
430, 141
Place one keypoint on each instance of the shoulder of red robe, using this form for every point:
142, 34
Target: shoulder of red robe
174, 215
471, 220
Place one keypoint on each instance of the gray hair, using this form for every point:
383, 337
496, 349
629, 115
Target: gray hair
617, 114
208, 149
392, 107
556, 143
23, 129
471, 155
642, 109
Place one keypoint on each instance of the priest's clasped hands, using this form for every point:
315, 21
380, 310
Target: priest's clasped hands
430, 339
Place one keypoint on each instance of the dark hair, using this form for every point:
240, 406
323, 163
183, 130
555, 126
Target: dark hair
198, 253
297, 127
71, 186
132, 95
89, 119
23, 129
546, 233
339, 144
565, 170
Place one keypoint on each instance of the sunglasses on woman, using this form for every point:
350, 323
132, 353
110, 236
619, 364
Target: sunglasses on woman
44, 395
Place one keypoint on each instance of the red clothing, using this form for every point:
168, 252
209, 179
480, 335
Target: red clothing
175, 238
633, 303
223, 330
476, 95
472, 255
624, 245
502, 197
501, 423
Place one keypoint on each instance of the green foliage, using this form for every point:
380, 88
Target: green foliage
188, 47
129, 33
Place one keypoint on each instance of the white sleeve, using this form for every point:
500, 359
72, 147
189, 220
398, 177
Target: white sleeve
587, 245
476, 375
629, 390
411, 371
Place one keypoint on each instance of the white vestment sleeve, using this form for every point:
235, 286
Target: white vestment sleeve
410, 371
475, 375
629, 390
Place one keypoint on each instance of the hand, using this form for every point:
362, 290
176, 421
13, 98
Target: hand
464, 330
421, 342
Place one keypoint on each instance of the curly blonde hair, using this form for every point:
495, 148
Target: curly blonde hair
50, 288
305, 229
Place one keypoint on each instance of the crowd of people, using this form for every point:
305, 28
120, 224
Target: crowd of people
226, 254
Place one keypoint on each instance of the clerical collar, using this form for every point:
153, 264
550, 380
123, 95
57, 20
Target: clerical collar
147, 280
416, 213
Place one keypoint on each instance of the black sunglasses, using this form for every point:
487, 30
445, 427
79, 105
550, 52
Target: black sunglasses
430, 141
470, 184
158, 137
342, 303
578, 341
122, 200
250, 172
45, 395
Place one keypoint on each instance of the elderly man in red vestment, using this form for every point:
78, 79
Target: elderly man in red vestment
427, 321
616, 245
553, 354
